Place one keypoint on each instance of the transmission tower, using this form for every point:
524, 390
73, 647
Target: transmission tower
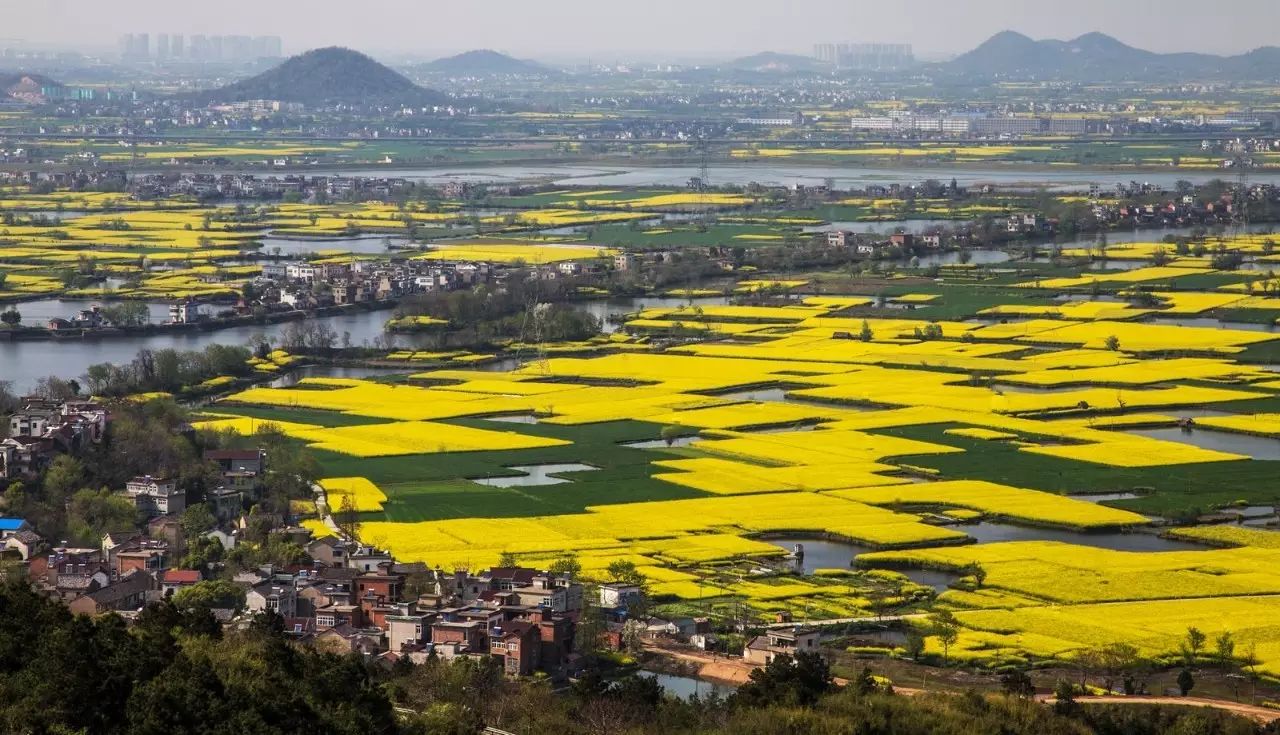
532, 340
704, 179
1240, 213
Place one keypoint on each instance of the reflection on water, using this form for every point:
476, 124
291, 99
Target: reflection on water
334, 371
1104, 497
537, 474
606, 311
1208, 323
39, 311
526, 418
362, 244
776, 174
976, 257
685, 687
26, 362
988, 532
820, 553
1257, 447
680, 441
885, 226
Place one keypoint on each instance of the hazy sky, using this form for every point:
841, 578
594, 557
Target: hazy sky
607, 29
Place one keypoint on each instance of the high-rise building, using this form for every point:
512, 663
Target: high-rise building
866, 56
826, 52
135, 47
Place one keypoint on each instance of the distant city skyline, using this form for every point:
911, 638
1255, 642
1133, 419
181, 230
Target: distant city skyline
667, 29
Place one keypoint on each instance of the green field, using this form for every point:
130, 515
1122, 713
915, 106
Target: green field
436, 487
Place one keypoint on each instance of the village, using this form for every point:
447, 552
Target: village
342, 596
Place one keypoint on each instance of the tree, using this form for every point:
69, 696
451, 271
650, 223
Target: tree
506, 560
865, 334
1186, 682
64, 476
787, 681
91, 513
11, 316
978, 573
1192, 644
1016, 683
567, 564
624, 571
914, 645
1064, 698
1112, 343
198, 520
946, 628
1224, 649
348, 517
670, 433
1114, 660
210, 594
127, 314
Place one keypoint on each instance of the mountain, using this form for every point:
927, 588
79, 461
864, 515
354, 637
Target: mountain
1099, 57
484, 62
327, 76
771, 61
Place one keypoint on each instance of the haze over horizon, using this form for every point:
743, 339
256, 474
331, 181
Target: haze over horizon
574, 29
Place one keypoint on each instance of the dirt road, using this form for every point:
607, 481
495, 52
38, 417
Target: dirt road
737, 671
1257, 714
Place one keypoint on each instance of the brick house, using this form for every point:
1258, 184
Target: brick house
519, 645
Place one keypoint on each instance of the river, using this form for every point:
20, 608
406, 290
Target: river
23, 363
780, 174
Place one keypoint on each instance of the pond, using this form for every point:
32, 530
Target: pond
1016, 388
1105, 497
685, 687
535, 475
885, 226
524, 418
680, 441
607, 310
363, 244
1210, 323
779, 395
820, 553
1073, 297
334, 371
976, 257
1257, 447
989, 532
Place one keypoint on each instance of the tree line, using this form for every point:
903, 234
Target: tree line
176, 671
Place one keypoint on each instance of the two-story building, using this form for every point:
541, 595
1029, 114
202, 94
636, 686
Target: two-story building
156, 496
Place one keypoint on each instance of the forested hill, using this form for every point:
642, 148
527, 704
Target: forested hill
328, 76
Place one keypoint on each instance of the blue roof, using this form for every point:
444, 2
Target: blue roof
11, 524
